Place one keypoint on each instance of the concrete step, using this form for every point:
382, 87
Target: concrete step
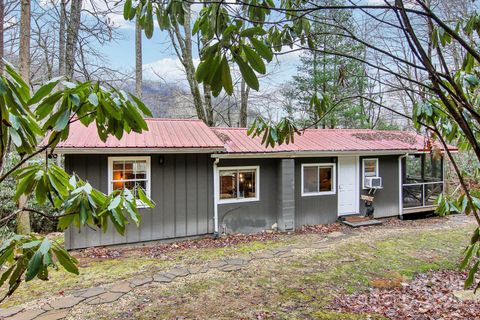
355, 221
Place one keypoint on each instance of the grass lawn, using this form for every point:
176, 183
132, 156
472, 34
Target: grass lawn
95, 272
301, 286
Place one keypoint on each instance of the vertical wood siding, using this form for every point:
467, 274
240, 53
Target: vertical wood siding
313, 209
182, 189
386, 200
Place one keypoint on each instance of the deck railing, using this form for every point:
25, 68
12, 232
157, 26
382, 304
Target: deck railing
421, 194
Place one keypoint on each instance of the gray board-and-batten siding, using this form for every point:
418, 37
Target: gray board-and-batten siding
182, 187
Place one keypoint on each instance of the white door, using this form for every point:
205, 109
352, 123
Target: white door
348, 185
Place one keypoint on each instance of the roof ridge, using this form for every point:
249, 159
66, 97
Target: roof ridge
173, 119
228, 128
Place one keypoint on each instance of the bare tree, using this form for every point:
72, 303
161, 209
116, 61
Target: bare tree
72, 37
138, 60
244, 92
61, 37
23, 217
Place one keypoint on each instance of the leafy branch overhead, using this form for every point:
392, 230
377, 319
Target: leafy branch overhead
46, 116
246, 43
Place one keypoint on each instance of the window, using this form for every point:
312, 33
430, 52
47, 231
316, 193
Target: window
129, 172
370, 169
238, 184
318, 179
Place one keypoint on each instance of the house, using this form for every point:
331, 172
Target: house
219, 180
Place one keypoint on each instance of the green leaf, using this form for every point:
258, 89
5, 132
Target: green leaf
254, 59
203, 69
250, 32
34, 266
65, 260
143, 197
226, 76
262, 49
127, 9
93, 99
62, 120
115, 203
44, 90
146, 111
247, 74
471, 275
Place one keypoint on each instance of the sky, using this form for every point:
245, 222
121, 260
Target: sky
159, 58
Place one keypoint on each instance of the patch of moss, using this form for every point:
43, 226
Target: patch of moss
331, 315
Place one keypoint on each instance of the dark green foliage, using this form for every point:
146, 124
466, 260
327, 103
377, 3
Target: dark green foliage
45, 116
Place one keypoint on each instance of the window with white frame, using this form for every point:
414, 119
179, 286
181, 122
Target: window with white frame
131, 173
238, 184
369, 169
318, 179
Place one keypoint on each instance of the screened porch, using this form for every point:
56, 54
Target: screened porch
422, 182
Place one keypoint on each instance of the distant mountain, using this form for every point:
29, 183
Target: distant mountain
165, 100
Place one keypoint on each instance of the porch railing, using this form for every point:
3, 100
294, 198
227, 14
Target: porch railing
421, 194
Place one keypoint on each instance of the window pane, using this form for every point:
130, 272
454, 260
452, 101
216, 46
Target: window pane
118, 185
310, 179
129, 175
246, 184
413, 169
228, 184
140, 176
117, 175
325, 178
370, 167
140, 166
117, 165
433, 169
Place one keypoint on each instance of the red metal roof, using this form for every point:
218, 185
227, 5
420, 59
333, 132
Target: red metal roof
162, 133
323, 140
185, 134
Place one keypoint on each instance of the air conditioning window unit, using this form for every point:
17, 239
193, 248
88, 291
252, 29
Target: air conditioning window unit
373, 183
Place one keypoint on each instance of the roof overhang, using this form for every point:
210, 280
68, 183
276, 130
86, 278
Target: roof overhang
307, 154
65, 150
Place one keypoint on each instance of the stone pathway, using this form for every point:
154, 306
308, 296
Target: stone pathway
59, 308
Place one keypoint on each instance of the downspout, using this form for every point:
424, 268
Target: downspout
400, 186
215, 197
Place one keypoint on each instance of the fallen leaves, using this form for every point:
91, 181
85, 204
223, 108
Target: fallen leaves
427, 296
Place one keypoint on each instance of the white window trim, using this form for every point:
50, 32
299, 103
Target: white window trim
363, 169
334, 179
257, 184
148, 174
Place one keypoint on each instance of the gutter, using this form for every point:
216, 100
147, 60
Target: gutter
400, 186
133, 150
216, 189
306, 154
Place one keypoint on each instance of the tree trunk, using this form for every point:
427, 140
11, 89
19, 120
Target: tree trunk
2, 21
61, 38
23, 217
244, 91
207, 95
24, 60
138, 60
190, 67
72, 37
